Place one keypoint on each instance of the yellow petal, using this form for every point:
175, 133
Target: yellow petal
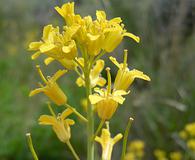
66, 49
80, 82
100, 91
35, 55
138, 74
48, 60
101, 81
92, 37
81, 61
95, 99
36, 91
66, 113
46, 30
115, 62
101, 15
134, 37
46, 47
99, 66
70, 31
118, 99
35, 45
47, 120
69, 121
117, 20
60, 11
120, 93
58, 74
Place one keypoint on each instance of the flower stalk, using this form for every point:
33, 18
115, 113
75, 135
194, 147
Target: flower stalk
90, 116
125, 138
72, 150
31, 147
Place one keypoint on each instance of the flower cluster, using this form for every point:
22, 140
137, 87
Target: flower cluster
79, 47
135, 150
162, 155
188, 135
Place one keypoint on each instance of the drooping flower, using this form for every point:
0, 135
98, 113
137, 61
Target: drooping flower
56, 45
60, 124
113, 30
106, 100
95, 74
107, 142
51, 88
125, 77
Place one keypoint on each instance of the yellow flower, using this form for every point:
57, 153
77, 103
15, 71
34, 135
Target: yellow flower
183, 134
95, 72
107, 142
160, 154
191, 144
60, 125
130, 156
137, 147
190, 129
125, 77
66, 11
51, 88
176, 155
56, 45
113, 31
67, 63
106, 102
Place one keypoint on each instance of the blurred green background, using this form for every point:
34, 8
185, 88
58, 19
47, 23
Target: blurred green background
160, 108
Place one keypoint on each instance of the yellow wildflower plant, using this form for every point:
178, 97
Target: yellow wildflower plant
105, 101
51, 88
176, 155
60, 124
107, 142
56, 45
95, 72
79, 47
125, 77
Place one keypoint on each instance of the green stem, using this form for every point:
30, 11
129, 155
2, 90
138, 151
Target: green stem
90, 117
72, 150
30, 145
76, 112
98, 129
125, 138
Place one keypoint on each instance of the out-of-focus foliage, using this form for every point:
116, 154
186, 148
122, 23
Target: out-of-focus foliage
166, 54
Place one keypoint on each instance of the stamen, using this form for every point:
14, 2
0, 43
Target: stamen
109, 81
125, 59
41, 74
